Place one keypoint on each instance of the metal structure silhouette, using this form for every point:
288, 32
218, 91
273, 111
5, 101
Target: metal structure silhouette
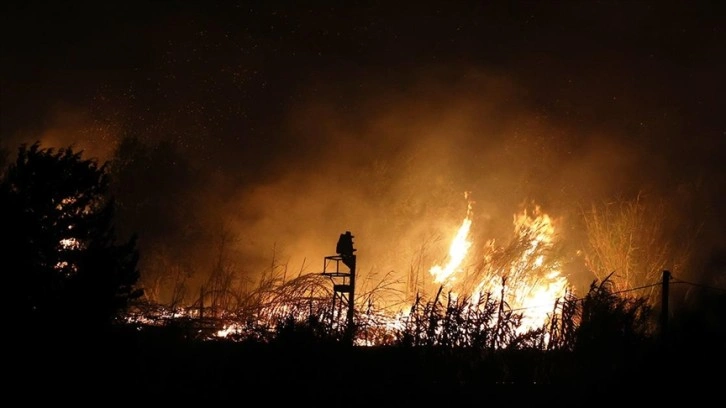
343, 279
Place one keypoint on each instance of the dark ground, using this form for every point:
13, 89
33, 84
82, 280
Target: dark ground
140, 368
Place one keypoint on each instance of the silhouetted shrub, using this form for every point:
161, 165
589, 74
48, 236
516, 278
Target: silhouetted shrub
60, 256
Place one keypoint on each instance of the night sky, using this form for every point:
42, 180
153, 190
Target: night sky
288, 125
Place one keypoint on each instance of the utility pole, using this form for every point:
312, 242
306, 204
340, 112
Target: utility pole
664, 305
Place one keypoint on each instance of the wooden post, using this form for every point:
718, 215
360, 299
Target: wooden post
201, 303
664, 305
351, 303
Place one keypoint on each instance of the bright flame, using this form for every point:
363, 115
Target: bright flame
525, 275
457, 251
531, 282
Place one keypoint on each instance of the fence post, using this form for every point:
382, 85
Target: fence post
664, 305
201, 303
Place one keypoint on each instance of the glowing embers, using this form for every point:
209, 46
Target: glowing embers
65, 246
70, 244
66, 202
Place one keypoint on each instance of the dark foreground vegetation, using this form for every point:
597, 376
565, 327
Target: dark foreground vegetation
608, 356
156, 364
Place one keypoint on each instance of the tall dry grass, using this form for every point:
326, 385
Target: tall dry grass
631, 242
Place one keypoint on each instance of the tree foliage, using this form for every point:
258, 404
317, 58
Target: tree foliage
67, 271
167, 210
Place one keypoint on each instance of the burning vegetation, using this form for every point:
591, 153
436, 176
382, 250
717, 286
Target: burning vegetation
496, 296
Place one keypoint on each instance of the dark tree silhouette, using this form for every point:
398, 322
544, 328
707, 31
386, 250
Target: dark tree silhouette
4, 154
167, 210
67, 272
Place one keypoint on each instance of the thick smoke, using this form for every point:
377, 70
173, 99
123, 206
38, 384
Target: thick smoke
246, 149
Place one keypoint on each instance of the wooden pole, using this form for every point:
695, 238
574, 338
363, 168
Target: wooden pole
351, 302
664, 305
201, 303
